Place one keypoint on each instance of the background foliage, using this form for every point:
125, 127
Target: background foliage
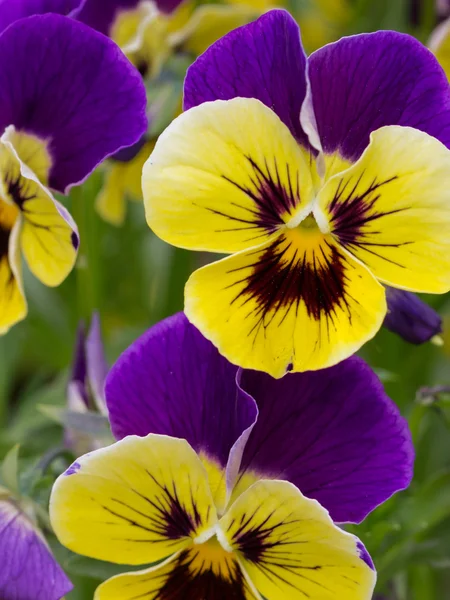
133, 279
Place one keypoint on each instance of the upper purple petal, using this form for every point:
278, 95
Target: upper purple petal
364, 82
12, 10
72, 86
263, 60
28, 571
333, 433
172, 381
410, 317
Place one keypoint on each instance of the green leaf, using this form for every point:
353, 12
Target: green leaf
10, 469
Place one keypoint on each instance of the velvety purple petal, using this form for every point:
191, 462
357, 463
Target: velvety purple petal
28, 570
101, 14
263, 60
97, 367
12, 10
72, 86
334, 434
364, 82
172, 381
410, 317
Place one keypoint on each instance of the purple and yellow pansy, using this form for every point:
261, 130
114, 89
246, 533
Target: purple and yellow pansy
325, 178
69, 98
230, 480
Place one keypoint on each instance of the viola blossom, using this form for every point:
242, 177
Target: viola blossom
411, 318
227, 475
325, 183
69, 98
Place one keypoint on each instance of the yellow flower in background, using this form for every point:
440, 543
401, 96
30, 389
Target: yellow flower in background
122, 182
439, 44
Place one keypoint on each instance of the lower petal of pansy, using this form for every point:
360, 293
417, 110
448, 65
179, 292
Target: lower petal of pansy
297, 303
256, 179
48, 237
290, 548
13, 306
204, 572
391, 209
135, 502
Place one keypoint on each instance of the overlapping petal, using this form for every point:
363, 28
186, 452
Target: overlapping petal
333, 433
136, 502
263, 60
289, 304
368, 81
172, 381
256, 179
391, 209
73, 89
290, 548
27, 568
411, 318
48, 235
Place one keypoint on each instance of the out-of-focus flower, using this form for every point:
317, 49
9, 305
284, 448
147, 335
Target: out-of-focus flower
320, 189
439, 44
410, 317
221, 484
69, 98
28, 570
122, 182
85, 390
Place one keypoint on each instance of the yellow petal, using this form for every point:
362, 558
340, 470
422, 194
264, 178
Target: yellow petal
296, 303
48, 237
135, 502
391, 210
32, 151
439, 44
224, 176
290, 548
203, 572
13, 306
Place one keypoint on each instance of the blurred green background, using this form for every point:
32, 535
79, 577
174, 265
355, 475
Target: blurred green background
134, 279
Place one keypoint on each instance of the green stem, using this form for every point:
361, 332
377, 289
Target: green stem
87, 267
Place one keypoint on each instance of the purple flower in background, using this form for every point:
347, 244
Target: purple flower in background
333, 433
410, 317
13, 10
86, 386
28, 570
69, 98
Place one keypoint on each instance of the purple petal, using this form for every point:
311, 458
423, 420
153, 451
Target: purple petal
172, 381
12, 10
411, 318
263, 60
364, 82
28, 570
97, 367
70, 85
332, 433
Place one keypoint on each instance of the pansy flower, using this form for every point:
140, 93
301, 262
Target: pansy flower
321, 177
69, 98
226, 476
